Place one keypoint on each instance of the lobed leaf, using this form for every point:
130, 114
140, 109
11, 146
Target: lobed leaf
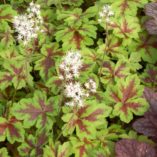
129, 148
85, 120
127, 28
113, 47
46, 64
16, 73
150, 10
147, 125
126, 98
11, 129
146, 47
111, 72
3, 152
6, 13
149, 77
33, 144
123, 7
81, 146
37, 111
57, 150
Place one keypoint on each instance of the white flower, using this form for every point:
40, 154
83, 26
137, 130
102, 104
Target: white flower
91, 86
71, 65
62, 66
61, 77
28, 25
34, 8
72, 57
105, 14
69, 70
70, 103
69, 76
75, 92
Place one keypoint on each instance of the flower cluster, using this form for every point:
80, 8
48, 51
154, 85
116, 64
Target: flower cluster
105, 14
69, 72
76, 93
70, 66
91, 85
28, 25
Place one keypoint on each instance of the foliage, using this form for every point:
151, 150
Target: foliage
78, 78
147, 124
128, 148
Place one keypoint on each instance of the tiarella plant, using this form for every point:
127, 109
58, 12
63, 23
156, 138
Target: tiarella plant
78, 78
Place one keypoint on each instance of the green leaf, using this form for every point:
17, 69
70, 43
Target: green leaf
127, 7
126, 98
91, 12
3, 152
55, 84
57, 150
76, 38
78, 31
11, 129
6, 13
149, 76
6, 36
126, 28
46, 64
81, 146
110, 71
146, 47
37, 111
85, 120
16, 73
72, 2
33, 144
132, 61
113, 47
